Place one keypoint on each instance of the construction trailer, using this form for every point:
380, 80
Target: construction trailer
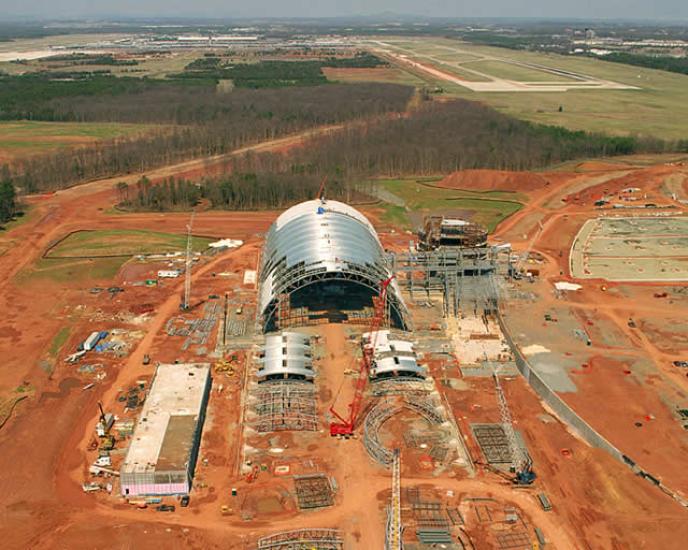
164, 447
441, 231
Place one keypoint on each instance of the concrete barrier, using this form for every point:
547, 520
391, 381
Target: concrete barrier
572, 419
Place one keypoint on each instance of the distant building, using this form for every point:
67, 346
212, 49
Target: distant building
164, 448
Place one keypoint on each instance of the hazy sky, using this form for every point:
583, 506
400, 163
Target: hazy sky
585, 9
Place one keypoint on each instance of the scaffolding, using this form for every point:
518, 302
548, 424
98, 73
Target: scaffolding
303, 539
313, 491
467, 278
286, 405
382, 412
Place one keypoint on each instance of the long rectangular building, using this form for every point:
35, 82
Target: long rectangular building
164, 448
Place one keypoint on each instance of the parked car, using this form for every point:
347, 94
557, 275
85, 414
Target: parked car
165, 508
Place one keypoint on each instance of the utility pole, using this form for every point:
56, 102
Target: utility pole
187, 274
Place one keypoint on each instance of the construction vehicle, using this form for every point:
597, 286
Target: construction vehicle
522, 463
518, 270
224, 366
105, 422
253, 474
107, 443
346, 426
165, 508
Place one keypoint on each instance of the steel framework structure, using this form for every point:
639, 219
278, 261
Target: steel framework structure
393, 540
303, 539
319, 242
286, 405
465, 276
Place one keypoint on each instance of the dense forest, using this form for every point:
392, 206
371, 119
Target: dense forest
441, 137
663, 63
274, 74
234, 192
29, 96
437, 138
198, 122
265, 74
8, 199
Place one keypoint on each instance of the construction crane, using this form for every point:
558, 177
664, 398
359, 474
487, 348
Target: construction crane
523, 465
321, 191
518, 268
394, 528
187, 274
346, 426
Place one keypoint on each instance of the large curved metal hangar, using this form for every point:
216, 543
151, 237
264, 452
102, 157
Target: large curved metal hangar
323, 259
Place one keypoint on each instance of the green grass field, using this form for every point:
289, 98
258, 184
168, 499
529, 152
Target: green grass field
25, 138
84, 256
519, 73
123, 242
58, 341
487, 208
74, 271
659, 107
391, 75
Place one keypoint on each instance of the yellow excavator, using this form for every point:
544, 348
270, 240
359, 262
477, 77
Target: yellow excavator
224, 366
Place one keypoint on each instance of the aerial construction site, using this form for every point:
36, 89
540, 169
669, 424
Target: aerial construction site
314, 378
284, 290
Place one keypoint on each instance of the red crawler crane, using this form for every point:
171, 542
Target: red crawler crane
346, 426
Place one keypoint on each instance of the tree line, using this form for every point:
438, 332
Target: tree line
199, 123
264, 74
441, 137
275, 74
8, 196
437, 138
660, 62
245, 191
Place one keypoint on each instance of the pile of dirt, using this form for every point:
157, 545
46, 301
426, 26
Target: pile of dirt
493, 180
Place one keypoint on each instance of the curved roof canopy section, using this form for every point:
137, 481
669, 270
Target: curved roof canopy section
317, 242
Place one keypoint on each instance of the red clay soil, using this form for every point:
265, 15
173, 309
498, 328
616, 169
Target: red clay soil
598, 166
599, 503
494, 180
40, 502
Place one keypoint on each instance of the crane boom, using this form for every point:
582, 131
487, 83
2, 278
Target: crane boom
187, 274
346, 426
521, 460
394, 527
321, 191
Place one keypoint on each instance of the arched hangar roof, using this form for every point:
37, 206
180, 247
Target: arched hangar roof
322, 240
